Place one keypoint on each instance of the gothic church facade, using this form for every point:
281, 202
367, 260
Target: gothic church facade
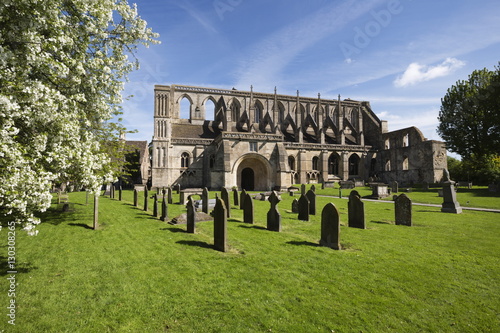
264, 141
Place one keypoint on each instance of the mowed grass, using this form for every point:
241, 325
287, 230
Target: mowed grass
138, 274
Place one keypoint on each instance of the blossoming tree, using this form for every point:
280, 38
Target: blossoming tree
63, 64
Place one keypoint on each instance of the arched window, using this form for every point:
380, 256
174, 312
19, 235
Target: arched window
387, 143
209, 110
315, 162
185, 160
388, 165
185, 108
291, 162
235, 110
333, 164
406, 140
354, 165
258, 111
405, 162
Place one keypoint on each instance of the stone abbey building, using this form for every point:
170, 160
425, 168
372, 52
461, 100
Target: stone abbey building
264, 141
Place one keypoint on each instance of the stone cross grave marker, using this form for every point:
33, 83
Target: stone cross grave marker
220, 226
248, 214
225, 197
330, 227
311, 196
191, 216
402, 210
273, 215
356, 211
303, 208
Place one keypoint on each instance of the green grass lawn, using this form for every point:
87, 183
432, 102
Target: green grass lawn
138, 274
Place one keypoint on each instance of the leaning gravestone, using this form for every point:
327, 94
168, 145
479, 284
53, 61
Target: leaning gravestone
243, 196
225, 197
136, 198
191, 216
330, 227
248, 215
450, 203
204, 200
273, 215
402, 209
356, 211
311, 196
220, 225
295, 206
146, 201
303, 208
236, 197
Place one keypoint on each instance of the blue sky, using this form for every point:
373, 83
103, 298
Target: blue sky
401, 55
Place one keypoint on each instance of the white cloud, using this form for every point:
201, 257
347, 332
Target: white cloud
416, 73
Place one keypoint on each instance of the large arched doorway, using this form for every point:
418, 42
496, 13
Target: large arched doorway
247, 179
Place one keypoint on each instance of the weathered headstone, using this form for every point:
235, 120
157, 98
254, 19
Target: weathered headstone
225, 197
96, 212
236, 197
136, 198
243, 195
303, 189
155, 205
356, 211
248, 216
164, 209
220, 226
330, 227
311, 196
450, 203
303, 208
273, 215
394, 187
313, 188
204, 201
170, 200
191, 216
402, 209
146, 199
295, 206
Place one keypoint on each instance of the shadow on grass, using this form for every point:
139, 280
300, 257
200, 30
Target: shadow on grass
18, 268
196, 243
55, 216
252, 227
382, 222
301, 243
234, 220
83, 225
175, 230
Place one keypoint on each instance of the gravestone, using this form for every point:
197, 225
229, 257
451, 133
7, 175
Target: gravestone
164, 209
313, 188
236, 197
356, 211
303, 189
243, 196
220, 225
330, 227
394, 187
248, 214
204, 201
273, 215
303, 208
425, 186
311, 196
402, 209
225, 197
169, 195
178, 188
450, 203
96, 212
295, 206
146, 201
136, 198
155, 205
191, 216
120, 193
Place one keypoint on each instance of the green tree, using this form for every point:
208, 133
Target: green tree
469, 119
63, 64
